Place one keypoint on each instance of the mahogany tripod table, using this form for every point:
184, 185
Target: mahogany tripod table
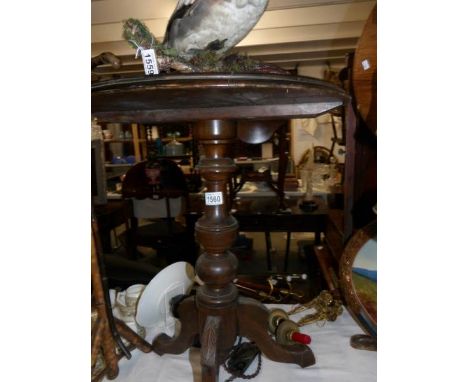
217, 314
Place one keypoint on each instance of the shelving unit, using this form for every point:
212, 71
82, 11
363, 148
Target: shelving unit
123, 148
118, 165
183, 135
123, 140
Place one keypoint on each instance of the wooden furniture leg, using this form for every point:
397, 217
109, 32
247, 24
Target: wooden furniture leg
187, 311
253, 323
217, 313
108, 330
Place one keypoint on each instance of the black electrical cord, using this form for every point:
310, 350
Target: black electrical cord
236, 367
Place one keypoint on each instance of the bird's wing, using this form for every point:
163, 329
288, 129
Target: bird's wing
184, 3
183, 7
198, 24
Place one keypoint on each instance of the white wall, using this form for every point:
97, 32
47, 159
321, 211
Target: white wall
313, 131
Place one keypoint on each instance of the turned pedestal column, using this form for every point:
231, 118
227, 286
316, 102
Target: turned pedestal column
217, 313
216, 231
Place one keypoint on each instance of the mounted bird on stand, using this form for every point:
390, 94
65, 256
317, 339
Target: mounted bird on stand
200, 34
215, 25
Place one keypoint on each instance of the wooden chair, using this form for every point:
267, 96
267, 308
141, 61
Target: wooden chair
159, 195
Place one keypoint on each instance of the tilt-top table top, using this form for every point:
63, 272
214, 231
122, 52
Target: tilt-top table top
194, 97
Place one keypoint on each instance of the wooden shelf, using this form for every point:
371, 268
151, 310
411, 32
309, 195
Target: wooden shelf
126, 140
112, 165
180, 139
255, 160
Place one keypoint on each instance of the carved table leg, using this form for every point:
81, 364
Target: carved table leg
253, 324
163, 344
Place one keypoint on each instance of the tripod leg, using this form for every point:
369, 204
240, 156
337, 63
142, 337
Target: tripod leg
188, 314
253, 324
209, 342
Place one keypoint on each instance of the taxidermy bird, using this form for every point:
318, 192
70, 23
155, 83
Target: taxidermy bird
214, 25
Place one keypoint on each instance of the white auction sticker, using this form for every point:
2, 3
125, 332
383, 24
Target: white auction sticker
213, 198
365, 64
149, 61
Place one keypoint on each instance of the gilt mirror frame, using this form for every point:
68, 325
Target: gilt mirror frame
367, 320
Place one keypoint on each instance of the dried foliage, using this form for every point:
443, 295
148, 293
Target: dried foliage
137, 34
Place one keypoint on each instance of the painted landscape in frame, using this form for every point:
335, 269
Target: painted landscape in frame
364, 273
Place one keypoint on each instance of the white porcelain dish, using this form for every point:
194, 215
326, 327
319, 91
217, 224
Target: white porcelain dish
153, 307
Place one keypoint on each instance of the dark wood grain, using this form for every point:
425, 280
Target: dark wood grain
193, 97
187, 312
209, 341
253, 323
364, 75
328, 268
216, 231
214, 102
